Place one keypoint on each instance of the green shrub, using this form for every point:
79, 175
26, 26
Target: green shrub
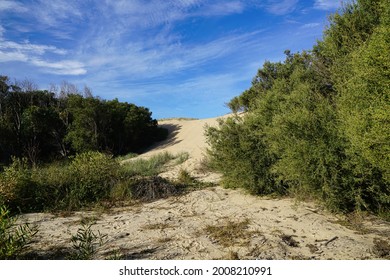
16, 185
238, 151
318, 124
88, 178
53, 183
93, 176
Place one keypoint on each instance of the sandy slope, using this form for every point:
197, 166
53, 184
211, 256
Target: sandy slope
176, 228
184, 136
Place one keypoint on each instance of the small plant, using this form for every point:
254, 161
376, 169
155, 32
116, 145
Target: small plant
13, 239
86, 242
185, 178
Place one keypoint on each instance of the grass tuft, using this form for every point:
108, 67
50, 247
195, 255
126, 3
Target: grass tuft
231, 233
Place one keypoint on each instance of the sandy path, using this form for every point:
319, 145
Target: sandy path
184, 227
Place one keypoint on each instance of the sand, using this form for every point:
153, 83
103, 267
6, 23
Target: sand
187, 226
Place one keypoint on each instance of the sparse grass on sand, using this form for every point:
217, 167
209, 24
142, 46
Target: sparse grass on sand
152, 166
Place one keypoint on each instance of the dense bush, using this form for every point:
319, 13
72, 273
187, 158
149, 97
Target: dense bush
238, 150
88, 178
42, 126
83, 181
318, 124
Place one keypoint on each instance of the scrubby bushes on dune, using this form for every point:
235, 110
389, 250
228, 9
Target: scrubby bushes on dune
318, 124
84, 180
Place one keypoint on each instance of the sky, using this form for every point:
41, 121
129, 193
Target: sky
182, 58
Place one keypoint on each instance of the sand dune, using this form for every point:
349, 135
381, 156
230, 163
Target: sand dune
187, 227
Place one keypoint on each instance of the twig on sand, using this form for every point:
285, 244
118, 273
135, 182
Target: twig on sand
331, 240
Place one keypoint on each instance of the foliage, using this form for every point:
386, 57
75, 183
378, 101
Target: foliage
16, 184
43, 127
317, 124
86, 243
88, 178
238, 151
13, 238
94, 174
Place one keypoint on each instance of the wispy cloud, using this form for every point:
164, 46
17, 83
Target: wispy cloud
12, 5
137, 62
221, 8
62, 67
147, 14
12, 56
327, 4
34, 54
27, 47
310, 25
55, 12
282, 7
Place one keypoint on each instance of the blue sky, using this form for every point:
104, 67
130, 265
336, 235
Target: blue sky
183, 58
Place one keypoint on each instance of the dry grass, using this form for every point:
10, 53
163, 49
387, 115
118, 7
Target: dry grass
153, 188
157, 226
231, 233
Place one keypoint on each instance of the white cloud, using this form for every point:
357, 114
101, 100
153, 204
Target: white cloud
310, 25
146, 14
11, 5
281, 7
327, 4
136, 61
221, 9
27, 47
12, 56
55, 12
64, 67
34, 54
